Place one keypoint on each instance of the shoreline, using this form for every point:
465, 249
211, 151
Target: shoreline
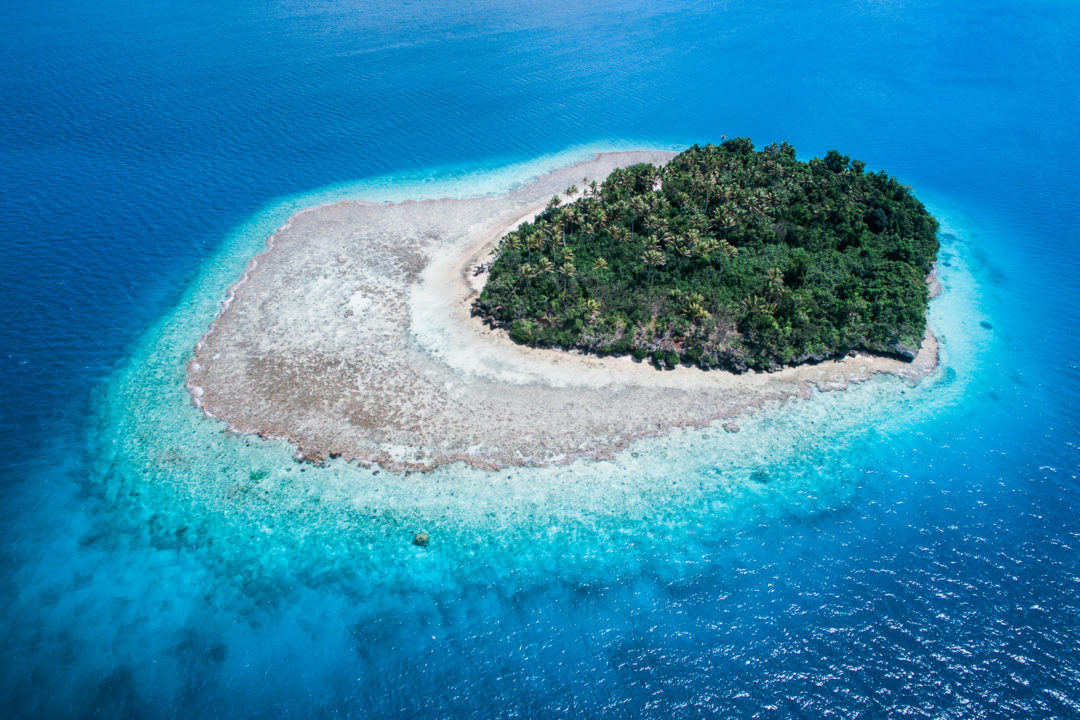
351, 335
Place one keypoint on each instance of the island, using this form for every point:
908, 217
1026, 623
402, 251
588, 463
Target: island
722, 258
354, 334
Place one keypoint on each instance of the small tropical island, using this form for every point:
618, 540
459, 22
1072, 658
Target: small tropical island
360, 331
725, 257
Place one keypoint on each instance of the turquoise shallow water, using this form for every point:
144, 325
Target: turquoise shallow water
889, 550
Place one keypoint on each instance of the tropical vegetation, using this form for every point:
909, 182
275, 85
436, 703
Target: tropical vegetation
726, 257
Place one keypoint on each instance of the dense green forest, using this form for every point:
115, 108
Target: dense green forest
726, 257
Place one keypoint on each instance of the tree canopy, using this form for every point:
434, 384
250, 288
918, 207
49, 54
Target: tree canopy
726, 257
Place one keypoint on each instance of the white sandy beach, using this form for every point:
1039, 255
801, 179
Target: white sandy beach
351, 336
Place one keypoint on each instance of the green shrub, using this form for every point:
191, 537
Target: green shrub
522, 331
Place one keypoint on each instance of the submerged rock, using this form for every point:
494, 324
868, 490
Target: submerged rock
421, 539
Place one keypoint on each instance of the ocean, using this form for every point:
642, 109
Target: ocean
890, 550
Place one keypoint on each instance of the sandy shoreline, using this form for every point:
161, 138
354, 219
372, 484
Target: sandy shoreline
351, 336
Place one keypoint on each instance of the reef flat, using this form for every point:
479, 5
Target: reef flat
352, 336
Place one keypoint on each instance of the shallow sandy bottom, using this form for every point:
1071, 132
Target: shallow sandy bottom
351, 336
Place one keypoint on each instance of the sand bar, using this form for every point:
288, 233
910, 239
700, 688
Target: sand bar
351, 337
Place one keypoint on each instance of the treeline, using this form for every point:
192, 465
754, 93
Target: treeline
726, 257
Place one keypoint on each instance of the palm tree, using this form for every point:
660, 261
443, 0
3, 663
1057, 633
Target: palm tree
774, 280
591, 308
510, 243
710, 181
639, 208
549, 235
599, 266
534, 243
754, 304
726, 217
655, 226
698, 221
567, 272
683, 248
653, 258
694, 307
705, 247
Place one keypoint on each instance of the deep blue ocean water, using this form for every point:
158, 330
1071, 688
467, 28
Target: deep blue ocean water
885, 552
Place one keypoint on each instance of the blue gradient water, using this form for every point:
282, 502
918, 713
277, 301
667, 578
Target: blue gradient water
881, 552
